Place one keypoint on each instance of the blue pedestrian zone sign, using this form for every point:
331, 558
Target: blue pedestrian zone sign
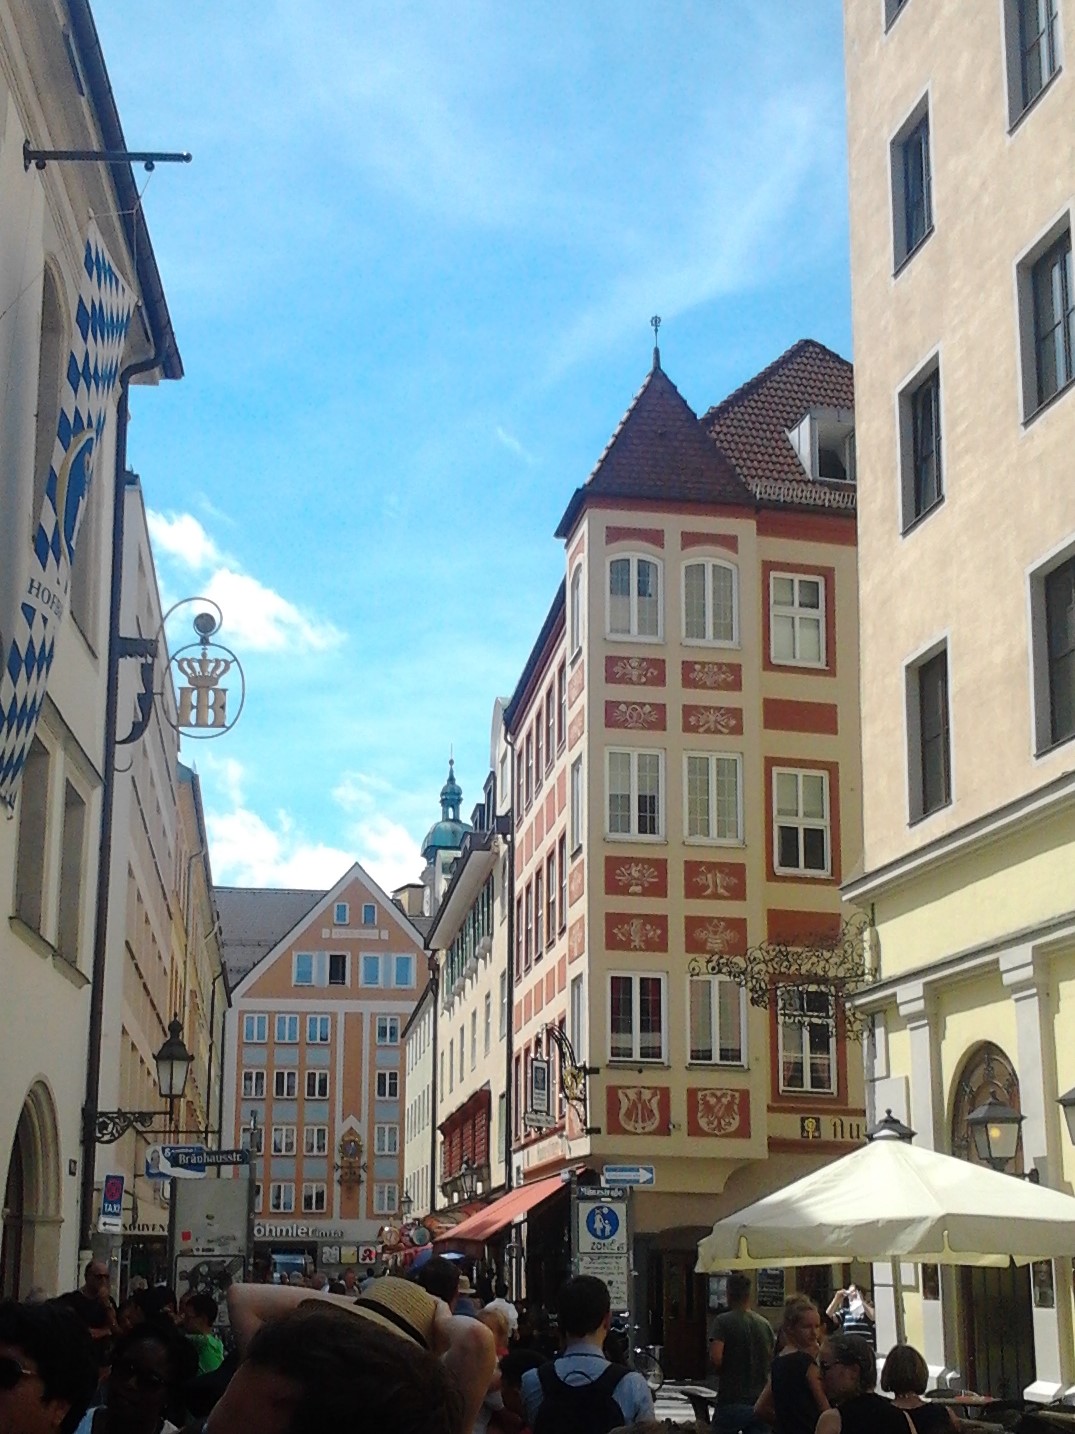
602, 1222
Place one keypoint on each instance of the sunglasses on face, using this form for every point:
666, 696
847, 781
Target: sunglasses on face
11, 1371
826, 1364
144, 1379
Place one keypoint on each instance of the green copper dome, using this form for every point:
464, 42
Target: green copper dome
448, 833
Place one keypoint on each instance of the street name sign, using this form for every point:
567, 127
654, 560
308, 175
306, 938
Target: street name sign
226, 1157
629, 1175
602, 1243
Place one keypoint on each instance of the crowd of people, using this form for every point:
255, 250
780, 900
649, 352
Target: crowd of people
426, 1355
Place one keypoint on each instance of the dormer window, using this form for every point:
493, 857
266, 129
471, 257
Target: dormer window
824, 442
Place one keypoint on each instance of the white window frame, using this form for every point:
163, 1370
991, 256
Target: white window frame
280, 1083
345, 958
800, 822
320, 1082
389, 1076
398, 985
386, 1138
576, 614
798, 614
315, 1139
252, 1138
298, 956
385, 1197
1019, 102
284, 1140
714, 983
254, 1083
253, 1022
369, 913
785, 1030
318, 1029
286, 1029
365, 956
387, 1024
708, 565
713, 759
635, 977
634, 835
577, 799
1043, 741
632, 634
311, 1189
337, 919
282, 1197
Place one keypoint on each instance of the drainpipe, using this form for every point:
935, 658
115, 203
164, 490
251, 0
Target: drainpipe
209, 1067
108, 791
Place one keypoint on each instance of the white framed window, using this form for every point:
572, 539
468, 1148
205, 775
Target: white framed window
561, 705
462, 1052
255, 1029
388, 1085
282, 1197
634, 781
315, 1140
259, 1195
503, 1028
575, 611
716, 1021
550, 727
801, 822
1052, 606
797, 619
341, 914
487, 1023
253, 1085
317, 1085
403, 972
385, 1198
285, 1084
318, 1030
253, 1139
713, 809
1045, 286
283, 1140
929, 755
807, 1031
388, 1030
577, 1018
920, 433
337, 968
369, 914
711, 602
912, 184
634, 598
370, 969
286, 1031
386, 1140
473, 1039
313, 1196
1032, 45
637, 1016
577, 800
302, 968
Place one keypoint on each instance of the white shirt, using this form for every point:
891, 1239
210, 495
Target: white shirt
507, 1309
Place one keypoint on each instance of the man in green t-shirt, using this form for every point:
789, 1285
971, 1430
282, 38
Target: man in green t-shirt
741, 1348
197, 1315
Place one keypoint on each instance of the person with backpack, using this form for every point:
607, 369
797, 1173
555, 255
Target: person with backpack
582, 1392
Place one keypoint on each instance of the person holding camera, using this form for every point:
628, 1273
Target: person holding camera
852, 1313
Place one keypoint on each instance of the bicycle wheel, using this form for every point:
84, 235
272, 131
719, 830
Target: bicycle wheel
647, 1366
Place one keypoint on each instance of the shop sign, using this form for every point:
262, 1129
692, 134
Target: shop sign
265, 1231
145, 1227
111, 1219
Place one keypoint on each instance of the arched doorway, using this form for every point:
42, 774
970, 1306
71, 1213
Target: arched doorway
996, 1323
29, 1245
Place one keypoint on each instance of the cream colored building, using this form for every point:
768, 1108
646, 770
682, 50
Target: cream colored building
420, 1142
962, 177
55, 93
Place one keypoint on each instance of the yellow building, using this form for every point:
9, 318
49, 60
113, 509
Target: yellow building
962, 170
686, 803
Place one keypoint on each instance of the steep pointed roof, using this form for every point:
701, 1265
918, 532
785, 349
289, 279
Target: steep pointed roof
751, 425
660, 453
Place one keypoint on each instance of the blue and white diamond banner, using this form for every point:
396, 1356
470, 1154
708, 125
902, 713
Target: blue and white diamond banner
105, 305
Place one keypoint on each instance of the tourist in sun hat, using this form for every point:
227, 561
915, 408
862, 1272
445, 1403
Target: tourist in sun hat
401, 1308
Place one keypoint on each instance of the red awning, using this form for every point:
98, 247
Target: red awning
476, 1229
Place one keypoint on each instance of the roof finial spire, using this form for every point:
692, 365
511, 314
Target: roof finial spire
655, 324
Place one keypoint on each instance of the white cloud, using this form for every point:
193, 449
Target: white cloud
247, 850
182, 538
512, 444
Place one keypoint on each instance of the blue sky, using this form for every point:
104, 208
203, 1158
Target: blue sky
411, 271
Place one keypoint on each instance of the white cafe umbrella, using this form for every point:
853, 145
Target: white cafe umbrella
889, 1200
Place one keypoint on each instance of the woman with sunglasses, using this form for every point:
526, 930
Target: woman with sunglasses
848, 1368
793, 1398
149, 1367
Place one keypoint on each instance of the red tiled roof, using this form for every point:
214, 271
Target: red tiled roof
660, 452
751, 425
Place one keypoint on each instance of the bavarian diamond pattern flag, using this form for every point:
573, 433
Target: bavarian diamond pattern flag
103, 316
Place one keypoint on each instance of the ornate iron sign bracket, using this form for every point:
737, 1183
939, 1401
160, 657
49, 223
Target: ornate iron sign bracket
573, 1077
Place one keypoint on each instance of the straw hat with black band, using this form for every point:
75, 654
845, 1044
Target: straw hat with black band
399, 1306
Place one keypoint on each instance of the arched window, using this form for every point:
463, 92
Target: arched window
634, 597
710, 602
575, 631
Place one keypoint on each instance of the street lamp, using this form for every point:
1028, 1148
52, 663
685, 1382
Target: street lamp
406, 1205
468, 1179
173, 1062
1067, 1105
994, 1128
891, 1128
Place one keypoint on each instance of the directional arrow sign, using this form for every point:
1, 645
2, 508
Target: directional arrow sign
629, 1175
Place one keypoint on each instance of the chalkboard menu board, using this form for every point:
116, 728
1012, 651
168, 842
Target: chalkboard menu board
770, 1289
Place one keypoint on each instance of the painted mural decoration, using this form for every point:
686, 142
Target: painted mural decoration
636, 716
721, 1113
576, 882
636, 878
635, 933
715, 880
716, 935
575, 684
639, 1110
576, 939
713, 721
635, 671
716, 676
576, 727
